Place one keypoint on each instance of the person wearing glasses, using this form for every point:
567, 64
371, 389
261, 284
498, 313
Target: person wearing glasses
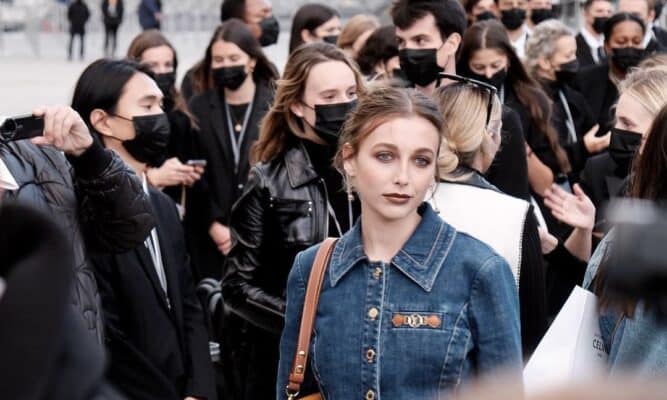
467, 201
429, 34
414, 314
488, 56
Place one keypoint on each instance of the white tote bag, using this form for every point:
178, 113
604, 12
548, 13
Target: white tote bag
572, 350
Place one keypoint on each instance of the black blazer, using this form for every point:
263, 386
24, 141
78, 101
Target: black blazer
509, 170
225, 186
583, 120
584, 52
158, 350
602, 179
600, 94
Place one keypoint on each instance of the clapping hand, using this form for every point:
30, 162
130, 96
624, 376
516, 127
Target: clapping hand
575, 210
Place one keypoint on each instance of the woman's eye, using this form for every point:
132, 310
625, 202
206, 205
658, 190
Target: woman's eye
384, 156
423, 161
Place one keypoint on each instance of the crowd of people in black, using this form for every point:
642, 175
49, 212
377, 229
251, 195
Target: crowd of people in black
477, 144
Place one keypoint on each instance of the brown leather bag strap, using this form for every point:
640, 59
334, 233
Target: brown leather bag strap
313, 289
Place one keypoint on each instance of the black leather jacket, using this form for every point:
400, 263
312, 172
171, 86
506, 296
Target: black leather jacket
97, 201
282, 211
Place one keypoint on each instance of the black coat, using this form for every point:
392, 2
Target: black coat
96, 200
584, 52
602, 179
583, 121
112, 20
221, 184
509, 170
158, 347
78, 15
47, 353
600, 94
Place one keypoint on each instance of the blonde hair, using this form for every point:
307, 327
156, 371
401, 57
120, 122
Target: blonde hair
654, 60
648, 87
464, 108
542, 43
356, 27
280, 123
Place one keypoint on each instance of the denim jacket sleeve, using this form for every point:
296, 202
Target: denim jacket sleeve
494, 315
296, 293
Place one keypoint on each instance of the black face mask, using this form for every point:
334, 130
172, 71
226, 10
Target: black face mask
329, 119
513, 18
496, 80
166, 82
567, 72
152, 137
420, 66
270, 30
623, 145
229, 77
625, 58
599, 23
485, 16
541, 14
331, 39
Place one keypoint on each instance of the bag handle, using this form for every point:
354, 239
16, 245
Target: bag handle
312, 298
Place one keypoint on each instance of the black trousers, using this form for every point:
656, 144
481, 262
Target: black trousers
110, 40
71, 44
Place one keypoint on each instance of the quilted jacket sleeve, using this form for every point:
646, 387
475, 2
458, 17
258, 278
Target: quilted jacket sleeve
114, 212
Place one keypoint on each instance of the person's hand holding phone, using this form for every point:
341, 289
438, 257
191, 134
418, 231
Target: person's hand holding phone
64, 129
174, 173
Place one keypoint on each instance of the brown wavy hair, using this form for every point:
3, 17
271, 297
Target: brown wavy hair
382, 103
150, 39
492, 35
280, 124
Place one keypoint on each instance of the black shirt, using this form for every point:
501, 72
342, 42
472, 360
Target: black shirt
322, 159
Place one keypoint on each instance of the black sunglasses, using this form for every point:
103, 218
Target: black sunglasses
482, 85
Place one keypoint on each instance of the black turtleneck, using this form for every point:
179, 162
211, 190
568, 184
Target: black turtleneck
321, 157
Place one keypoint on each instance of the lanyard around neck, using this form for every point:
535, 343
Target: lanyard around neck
237, 143
570, 121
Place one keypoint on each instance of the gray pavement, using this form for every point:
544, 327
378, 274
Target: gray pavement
27, 80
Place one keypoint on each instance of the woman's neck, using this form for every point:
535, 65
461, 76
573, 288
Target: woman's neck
243, 94
382, 238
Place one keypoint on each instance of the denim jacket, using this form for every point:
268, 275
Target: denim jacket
446, 308
637, 344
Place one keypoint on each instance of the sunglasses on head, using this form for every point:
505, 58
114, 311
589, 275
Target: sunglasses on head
482, 85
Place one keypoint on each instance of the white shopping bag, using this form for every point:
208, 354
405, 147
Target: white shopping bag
572, 349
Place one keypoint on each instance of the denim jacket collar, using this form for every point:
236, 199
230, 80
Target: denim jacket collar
420, 259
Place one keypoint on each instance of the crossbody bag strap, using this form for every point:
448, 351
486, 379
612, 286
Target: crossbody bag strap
312, 298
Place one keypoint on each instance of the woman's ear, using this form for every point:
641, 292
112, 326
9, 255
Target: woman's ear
297, 109
349, 164
544, 64
99, 120
306, 36
251, 65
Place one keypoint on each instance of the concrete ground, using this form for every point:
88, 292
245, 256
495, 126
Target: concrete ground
27, 80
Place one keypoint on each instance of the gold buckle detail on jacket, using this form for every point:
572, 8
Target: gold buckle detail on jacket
416, 320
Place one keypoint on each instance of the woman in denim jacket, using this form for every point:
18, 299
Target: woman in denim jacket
635, 340
410, 308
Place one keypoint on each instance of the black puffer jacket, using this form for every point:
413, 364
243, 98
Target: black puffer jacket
282, 211
96, 200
